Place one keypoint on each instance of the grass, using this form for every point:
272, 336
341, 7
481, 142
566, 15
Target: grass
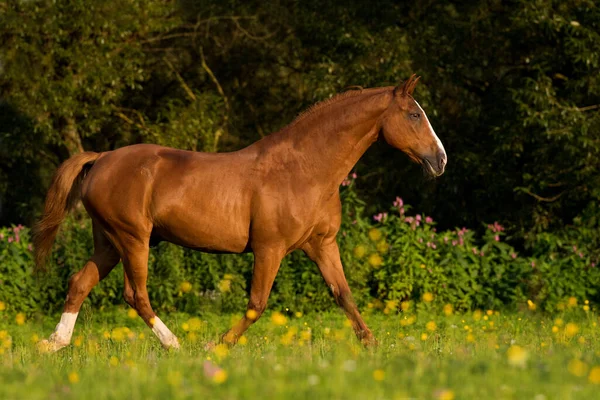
422, 355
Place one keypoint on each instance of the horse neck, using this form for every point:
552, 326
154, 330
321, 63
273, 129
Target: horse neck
331, 140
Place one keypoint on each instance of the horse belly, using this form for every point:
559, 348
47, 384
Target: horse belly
211, 227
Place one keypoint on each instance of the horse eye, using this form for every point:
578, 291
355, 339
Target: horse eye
415, 116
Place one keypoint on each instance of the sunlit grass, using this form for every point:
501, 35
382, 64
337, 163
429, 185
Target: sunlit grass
484, 354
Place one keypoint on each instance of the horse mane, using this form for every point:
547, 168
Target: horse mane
353, 91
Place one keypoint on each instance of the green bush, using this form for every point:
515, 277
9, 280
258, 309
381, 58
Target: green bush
389, 258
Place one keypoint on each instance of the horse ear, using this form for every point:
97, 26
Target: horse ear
407, 87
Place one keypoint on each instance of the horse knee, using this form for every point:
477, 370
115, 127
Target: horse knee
258, 309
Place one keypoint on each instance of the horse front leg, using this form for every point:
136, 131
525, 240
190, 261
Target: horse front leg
326, 255
266, 265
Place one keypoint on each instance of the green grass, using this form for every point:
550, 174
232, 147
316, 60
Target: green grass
470, 356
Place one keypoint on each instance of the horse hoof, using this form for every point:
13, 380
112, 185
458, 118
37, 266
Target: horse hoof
49, 346
370, 342
172, 344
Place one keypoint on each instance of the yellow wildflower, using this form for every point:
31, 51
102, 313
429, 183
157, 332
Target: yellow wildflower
185, 287
194, 324
73, 377
594, 376
251, 314
225, 285
571, 329
114, 361
517, 356
2, 306
278, 318
242, 340
424, 336
405, 305
20, 318
445, 394
577, 367
375, 234
375, 260
131, 313
427, 297
431, 326
448, 309
359, 251
383, 246
572, 302
221, 350
379, 375
531, 305
220, 376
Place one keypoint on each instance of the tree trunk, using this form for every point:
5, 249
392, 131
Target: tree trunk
71, 138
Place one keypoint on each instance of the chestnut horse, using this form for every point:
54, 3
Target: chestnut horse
270, 198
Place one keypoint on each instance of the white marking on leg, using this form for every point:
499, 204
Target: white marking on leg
62, 333
163, 333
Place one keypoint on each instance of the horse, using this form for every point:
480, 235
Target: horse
275, 196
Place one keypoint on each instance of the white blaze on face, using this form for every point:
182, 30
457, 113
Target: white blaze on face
163, 333
64, 330
439, 142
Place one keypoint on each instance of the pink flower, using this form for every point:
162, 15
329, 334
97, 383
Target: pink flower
10, 239
482, 253
420, 240
417, 223
409, 220
513, 255
497, 238
354, 176
346, 182
461, 241
574, 248
580, 254
380, 217
428, 220
398, 202
1, 236
593, 264
533, 264
474, 250
30, 247
454, 243
433, 246
446, 239
354, 222
418, 217
401, 210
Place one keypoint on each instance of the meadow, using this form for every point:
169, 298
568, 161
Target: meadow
423, 353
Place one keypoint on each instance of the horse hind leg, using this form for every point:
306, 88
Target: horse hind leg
103, 260
135, 262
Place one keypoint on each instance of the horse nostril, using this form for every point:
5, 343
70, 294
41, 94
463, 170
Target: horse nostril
441, 158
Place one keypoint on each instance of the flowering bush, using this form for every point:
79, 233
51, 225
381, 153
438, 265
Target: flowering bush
391, 257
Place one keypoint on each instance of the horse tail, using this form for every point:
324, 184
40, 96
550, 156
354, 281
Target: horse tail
64, 192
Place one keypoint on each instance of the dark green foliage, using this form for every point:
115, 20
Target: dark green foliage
400, 258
